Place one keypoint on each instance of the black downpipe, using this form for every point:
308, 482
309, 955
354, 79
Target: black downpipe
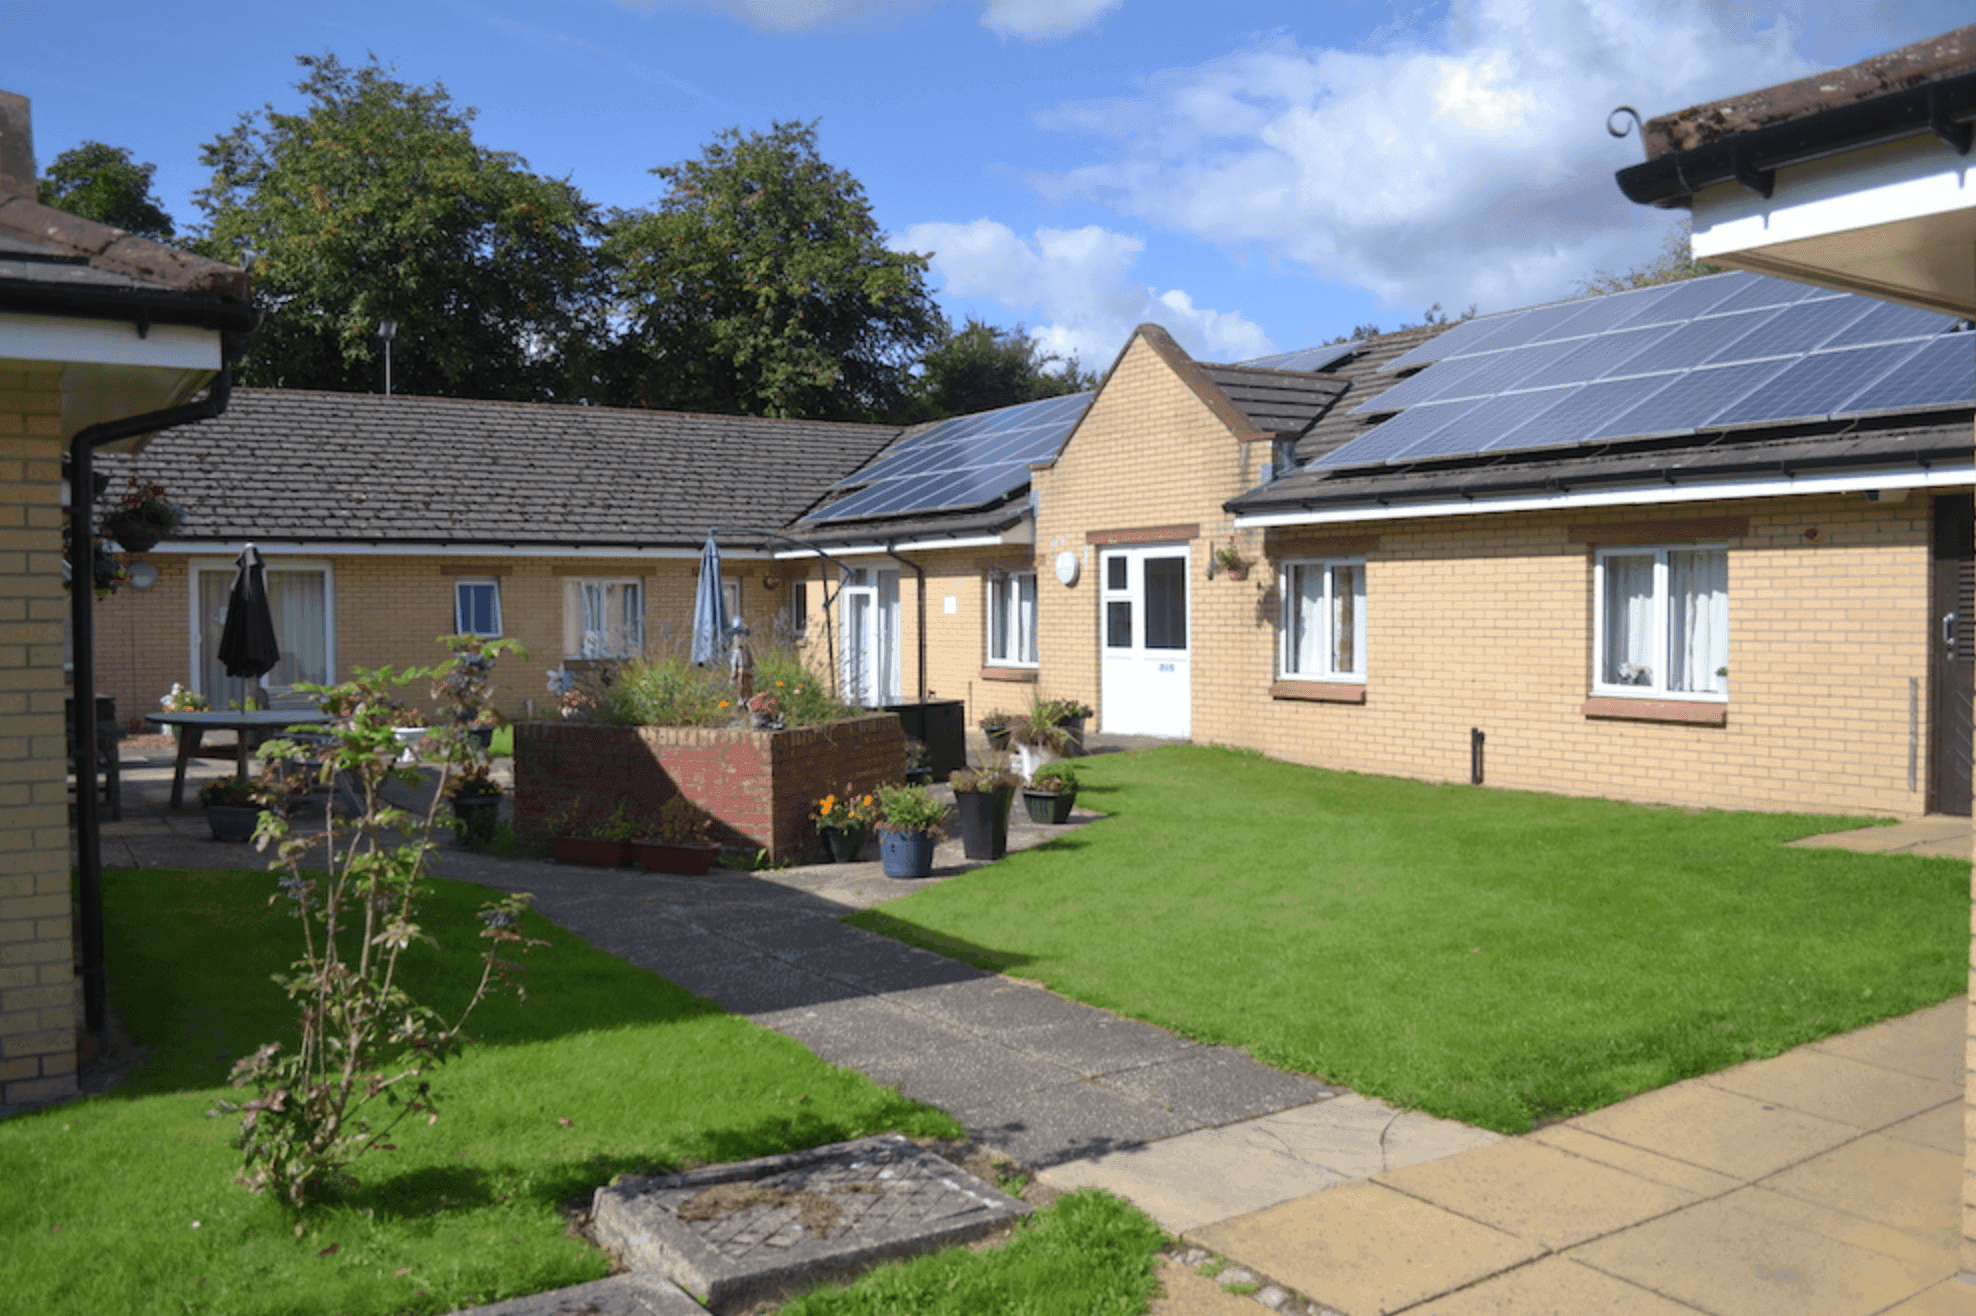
82, 622
1475, 739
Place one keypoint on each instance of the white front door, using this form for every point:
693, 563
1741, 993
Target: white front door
1143, 632
870, 657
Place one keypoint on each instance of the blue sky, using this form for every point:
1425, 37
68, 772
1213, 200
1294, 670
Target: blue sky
1256, 175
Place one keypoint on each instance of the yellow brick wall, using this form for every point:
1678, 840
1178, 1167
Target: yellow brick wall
39, 999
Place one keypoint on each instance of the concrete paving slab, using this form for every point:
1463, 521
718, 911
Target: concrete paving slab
1717, 1130
1216, 1085
1197, 1179
972, 1072
735, 1235
1936, 1256
1937, 835
1537, 1192
1900, 1184
1553, 1286
1835, 1087
1723, 1257
874, 964
1364, 1249
1052, 1125
1927, 1042
620, 1295
1636, 1160
1358, 1137
1952, 1297
1941, 1128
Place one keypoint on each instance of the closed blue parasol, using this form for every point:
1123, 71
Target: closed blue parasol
709, 606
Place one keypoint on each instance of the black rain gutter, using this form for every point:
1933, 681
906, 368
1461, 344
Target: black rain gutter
82, 621
140, 310
1944, 107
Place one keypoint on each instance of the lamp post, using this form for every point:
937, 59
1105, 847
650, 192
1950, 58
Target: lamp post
386, 331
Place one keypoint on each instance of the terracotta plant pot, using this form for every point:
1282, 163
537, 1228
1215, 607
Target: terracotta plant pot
681, 859
233, 822
906, 854
590, 851
1051, 808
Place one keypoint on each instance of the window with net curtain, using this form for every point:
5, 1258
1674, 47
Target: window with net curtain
1012, 618
603, 618
300, 600
1324, 620
1662, 627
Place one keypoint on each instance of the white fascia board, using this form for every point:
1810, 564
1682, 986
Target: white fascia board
1942, 477
342, 548
107, 342
1014, 536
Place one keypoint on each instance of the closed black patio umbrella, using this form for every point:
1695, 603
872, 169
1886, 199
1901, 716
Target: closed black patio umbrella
248, 647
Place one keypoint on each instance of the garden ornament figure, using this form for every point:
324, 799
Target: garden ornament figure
741, 664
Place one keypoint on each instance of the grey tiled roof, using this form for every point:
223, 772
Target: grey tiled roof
1362, 383
1278, 402
42, 246
289, 465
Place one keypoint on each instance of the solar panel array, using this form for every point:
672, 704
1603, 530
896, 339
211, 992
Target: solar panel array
1728, 350
969, 461
1311, 360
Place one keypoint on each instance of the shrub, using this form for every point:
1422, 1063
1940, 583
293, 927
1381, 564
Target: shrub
1059, 776
909, 809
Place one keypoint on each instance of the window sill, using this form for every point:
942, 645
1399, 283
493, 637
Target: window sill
1320, 692
1656, 710
1027, 674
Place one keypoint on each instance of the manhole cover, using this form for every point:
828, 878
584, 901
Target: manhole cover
737, 1234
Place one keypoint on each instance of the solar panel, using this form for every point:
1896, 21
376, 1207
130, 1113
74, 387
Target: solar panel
1685, 301
1598, 314
1694, 343
1499, 415
1690, 401
1581, 411
1314, 360
1529, 326
1592, 358
1889, 322
1941, 373
1809, 388
1794, 330
1500, 371
1423, 387
1404, 430
1452, 341
1765, 292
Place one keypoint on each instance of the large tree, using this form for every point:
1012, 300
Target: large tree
981, 367
1675, 263
104, 184
761, 285
375, 203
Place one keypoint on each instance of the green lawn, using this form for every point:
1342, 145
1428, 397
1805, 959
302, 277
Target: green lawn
126, 1203
1490, 956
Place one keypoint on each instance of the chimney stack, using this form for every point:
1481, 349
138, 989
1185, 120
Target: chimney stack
17, 172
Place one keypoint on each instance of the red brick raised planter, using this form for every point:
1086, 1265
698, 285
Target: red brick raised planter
759, 785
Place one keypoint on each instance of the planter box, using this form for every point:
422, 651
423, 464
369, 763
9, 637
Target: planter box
590, 851
942, 725
682, 860
1051, 808
984, 822
760, 786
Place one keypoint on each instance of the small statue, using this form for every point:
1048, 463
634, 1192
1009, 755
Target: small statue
741, 666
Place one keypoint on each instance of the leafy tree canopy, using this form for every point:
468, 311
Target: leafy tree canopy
104, 184
761, 285
982, 367
375, 203
1675, 263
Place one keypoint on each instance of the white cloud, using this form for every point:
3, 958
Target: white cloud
1035, 20
1466, 164
1078, 281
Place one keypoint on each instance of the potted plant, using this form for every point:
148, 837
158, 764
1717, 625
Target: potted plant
481, 730
141, 517
1039, 736
181, 700
678, 843
841, 820
765, 711
605, 844
476, 799
1232, 563
919, 763
232, 810
1070, 714
1050, 794
909, 819
982, 797
995, 726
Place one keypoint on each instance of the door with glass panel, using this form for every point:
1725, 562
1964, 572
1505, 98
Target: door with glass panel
1143, 637
1952, 649
868, 653
300, 599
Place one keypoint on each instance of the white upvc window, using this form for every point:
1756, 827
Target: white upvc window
1012, 618
1660, 622
603, 618
1324, 620
796, 619
477, 606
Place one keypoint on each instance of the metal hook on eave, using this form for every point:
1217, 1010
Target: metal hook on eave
1625, 128
1957, 135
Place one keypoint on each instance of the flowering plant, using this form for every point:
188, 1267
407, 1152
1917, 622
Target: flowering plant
764, 703
572, 697
181, 700
145, 504
846, 811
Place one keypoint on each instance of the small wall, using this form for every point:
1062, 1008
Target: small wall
759, 785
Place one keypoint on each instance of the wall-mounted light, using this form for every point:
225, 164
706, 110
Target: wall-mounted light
143, 575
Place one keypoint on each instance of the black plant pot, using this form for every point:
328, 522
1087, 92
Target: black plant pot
475, 818
984, 822
1051, 808
233, 822
135, 536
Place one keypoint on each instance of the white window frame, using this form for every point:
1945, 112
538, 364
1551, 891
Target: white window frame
196, 625
578, 583
1656, 686
460, 612
1005, 599
797, 617
1323, 669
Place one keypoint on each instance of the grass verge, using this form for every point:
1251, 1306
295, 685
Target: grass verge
126, 1203
1496, 957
